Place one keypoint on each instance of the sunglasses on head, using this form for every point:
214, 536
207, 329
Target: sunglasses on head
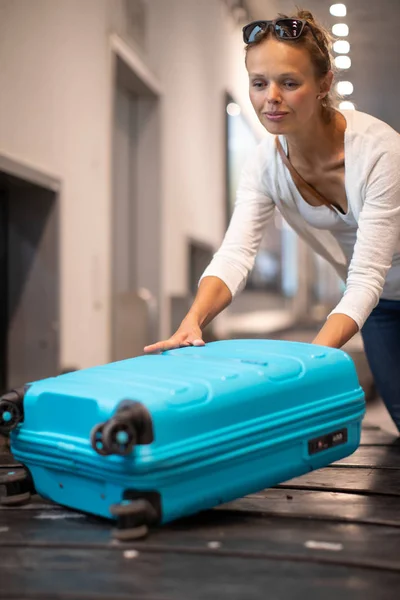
284, 29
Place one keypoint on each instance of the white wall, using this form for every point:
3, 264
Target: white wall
197, 52
55, 116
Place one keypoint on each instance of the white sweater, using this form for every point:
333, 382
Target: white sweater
372, 181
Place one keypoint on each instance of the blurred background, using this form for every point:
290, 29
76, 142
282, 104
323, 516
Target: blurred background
123, 128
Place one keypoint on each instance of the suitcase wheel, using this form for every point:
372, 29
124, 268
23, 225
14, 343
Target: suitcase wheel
16, 500
134, 533
96, 439
133, 518
113, 437
11, 410
130, 425
119, 437
18, 487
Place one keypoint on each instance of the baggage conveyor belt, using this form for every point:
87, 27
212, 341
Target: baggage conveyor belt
328, 534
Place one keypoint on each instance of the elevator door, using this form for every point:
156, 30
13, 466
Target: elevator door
136, 214
129, 317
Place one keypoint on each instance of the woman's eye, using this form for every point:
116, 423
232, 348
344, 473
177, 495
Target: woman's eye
291, 84
258, 84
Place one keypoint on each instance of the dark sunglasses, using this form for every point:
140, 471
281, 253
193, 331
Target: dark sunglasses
284, 29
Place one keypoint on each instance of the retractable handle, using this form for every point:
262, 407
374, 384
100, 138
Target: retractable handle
129, 426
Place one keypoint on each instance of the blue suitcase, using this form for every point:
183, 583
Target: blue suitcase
147, 440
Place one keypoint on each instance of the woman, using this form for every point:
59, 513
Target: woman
335, 178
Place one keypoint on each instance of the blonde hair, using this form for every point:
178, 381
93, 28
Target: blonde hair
320, 53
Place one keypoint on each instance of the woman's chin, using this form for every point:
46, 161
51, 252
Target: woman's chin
275, 127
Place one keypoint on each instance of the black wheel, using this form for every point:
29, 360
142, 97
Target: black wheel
96, 439
135, 509
133, 518
13, 476
16, 487
10, 415
130, 425
126, 535
119, 436
16, 500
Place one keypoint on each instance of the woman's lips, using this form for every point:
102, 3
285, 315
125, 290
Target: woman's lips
278, 116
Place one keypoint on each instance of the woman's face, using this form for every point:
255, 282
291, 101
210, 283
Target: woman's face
283, 86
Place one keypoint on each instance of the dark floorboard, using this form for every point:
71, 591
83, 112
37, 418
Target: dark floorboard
238, 533
360, 480
325, 506
373, 436
331, 533
373, 457
108, 573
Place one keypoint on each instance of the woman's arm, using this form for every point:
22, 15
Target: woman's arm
253, 209
212, 297
377, 238
337, 330
227, 273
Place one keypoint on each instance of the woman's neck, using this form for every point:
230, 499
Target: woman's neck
319, 141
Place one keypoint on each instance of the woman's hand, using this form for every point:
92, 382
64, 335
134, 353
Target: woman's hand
337, 331
188, 334
212, 297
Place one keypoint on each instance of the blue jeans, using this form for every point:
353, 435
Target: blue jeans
381, 335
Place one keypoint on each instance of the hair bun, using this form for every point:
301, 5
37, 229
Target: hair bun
306, 15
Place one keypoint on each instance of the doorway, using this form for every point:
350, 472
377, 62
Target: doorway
136, 210
29, 282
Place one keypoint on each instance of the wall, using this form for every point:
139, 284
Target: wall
55, 116
197, 53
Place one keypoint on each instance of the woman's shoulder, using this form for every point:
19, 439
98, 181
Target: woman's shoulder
263, 154
260, 156
266, 146
366, 127
368, 141
258, 168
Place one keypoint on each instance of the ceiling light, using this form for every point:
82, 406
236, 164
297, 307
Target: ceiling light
340, 29
346, 105
343, 62
341, 47
233, 109
345, 88
338, 10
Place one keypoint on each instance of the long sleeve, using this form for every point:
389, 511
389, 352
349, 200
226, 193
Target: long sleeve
377, 236
253, 208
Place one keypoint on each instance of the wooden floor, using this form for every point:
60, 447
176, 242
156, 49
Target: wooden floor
334, 533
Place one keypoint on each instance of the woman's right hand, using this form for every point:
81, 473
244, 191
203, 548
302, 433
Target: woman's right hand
188, 334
